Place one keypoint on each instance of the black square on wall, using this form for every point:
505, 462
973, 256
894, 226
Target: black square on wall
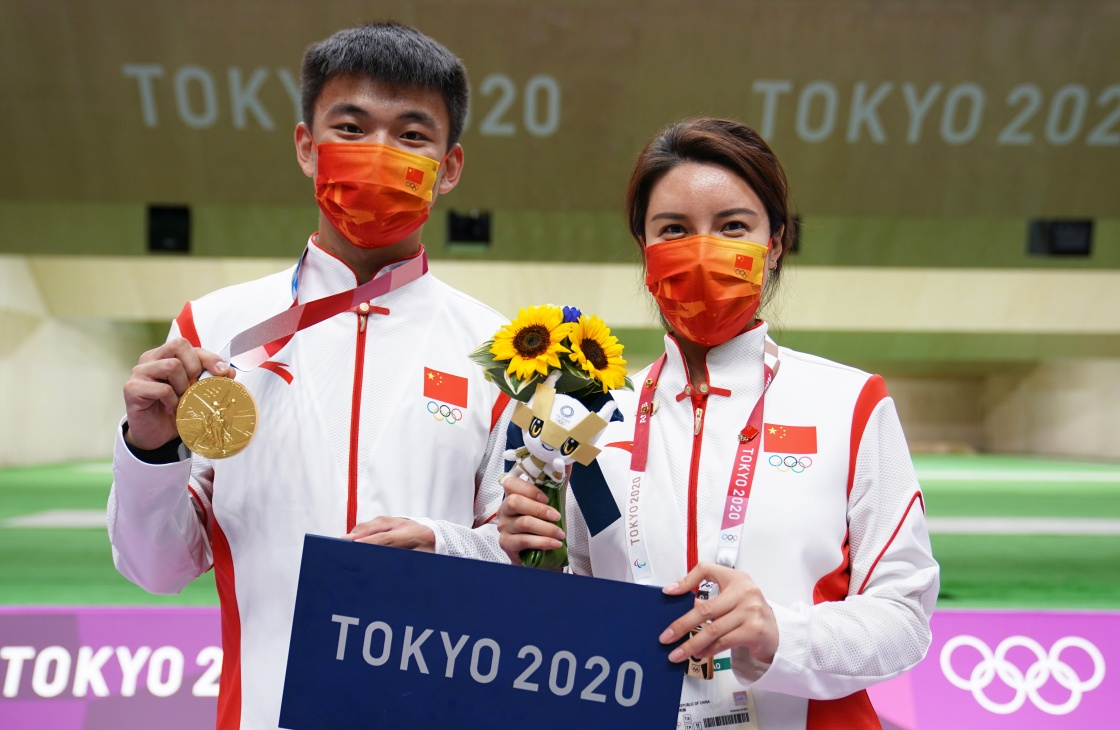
169, 229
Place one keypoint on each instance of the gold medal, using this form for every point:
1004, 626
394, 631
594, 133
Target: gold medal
216, 417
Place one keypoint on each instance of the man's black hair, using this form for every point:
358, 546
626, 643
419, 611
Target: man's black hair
389, 52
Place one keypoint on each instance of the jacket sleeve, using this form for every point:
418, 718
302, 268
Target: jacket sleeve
159, 519
479, 541
881, 628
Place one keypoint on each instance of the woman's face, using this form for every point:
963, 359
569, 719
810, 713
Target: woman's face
695, 198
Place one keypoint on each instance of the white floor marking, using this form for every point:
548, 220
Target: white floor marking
985, 475
66, 518
1022, 526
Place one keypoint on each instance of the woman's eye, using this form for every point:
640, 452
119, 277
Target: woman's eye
735, 227
673, 230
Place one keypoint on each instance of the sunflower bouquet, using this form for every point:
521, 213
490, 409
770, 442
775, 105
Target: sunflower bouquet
558, 363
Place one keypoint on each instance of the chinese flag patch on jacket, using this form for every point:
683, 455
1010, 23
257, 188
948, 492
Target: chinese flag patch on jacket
445, 387
790, 439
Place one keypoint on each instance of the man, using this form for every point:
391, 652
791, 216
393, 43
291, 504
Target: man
372, 423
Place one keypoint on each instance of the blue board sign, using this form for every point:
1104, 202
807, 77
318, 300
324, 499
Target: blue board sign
384, 637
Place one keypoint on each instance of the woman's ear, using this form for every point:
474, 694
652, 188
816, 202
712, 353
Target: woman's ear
775, 252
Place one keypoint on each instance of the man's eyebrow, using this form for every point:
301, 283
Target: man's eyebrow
416, 115
342, 108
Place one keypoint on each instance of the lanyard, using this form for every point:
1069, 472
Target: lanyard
248, 349
738, 489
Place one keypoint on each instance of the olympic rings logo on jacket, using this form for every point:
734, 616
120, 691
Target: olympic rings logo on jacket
1025, 684
444, 412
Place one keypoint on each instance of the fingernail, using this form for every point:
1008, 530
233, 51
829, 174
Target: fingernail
559, 534
555, 544
221, 365
676, 655
551, 515
666, 636
542, 498
671, 587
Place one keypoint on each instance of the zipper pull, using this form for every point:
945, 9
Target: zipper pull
699, 420
363, 315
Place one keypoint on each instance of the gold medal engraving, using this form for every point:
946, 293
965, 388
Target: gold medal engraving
216, 417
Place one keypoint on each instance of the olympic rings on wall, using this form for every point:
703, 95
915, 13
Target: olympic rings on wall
1047, 664
444, 412
790, 463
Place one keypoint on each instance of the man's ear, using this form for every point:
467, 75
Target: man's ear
451, 169
305, 150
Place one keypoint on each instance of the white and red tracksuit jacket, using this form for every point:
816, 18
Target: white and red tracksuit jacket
838, 544
345, 434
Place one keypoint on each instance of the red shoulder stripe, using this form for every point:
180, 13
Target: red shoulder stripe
916, 498
185, 320
874, 391
499, 408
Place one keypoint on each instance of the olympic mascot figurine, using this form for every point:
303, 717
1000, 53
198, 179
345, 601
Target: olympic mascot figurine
558, 363
557, 430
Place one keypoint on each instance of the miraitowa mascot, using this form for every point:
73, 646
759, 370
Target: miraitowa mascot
557, 430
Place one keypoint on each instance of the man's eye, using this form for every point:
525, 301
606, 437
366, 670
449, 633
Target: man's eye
414, 136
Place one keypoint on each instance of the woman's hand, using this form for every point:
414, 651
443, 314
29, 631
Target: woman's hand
525, 520
738, 616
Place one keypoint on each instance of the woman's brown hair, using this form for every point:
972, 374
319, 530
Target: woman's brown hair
723, 142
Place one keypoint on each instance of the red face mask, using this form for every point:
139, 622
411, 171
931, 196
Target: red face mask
374, 194
708, 287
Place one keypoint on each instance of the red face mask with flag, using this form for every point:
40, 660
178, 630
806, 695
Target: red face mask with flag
374, 194
708, 287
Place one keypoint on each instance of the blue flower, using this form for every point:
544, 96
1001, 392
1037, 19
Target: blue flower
571, 314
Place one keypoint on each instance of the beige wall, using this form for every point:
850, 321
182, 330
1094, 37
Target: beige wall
940, 413
71, 328
1069, 407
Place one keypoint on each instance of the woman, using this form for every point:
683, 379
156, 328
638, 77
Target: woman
775, 484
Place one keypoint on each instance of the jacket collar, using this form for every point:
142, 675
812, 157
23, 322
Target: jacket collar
321, 273
733, 365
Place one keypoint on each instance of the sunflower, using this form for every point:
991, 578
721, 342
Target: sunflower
597, 351
531, 342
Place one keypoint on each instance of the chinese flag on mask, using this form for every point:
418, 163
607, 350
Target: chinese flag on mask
790, 439
445, 387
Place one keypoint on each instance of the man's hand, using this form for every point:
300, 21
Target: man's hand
152, 393
398, 532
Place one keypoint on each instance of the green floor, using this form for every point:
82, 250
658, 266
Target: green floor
41, 566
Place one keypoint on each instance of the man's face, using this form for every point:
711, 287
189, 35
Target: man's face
356, 108
359, 109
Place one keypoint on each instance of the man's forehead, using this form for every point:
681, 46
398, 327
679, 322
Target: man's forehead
375, 95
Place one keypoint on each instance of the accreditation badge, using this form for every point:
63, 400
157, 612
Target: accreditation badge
720, 702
